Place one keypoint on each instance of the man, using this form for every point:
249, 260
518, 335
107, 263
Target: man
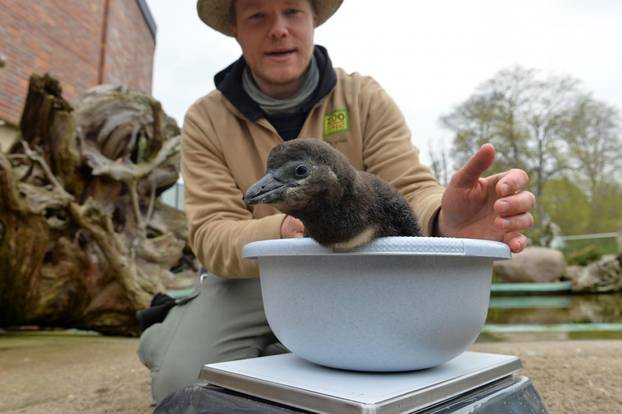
282, 88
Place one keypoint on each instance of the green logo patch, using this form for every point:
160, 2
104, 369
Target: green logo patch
337, 121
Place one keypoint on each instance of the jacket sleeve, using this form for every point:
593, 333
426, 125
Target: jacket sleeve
219, 222
389, 153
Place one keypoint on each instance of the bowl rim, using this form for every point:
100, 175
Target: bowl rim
383, 246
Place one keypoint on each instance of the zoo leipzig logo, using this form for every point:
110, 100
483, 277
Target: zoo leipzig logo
336, 121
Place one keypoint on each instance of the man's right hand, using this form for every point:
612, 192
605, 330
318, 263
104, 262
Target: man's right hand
496, 207
291, 227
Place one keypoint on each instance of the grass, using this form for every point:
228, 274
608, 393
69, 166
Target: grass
608, 245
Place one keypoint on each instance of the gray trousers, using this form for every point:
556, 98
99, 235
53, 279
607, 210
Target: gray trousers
225, 322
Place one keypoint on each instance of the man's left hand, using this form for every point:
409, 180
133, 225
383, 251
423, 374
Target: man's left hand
493, 208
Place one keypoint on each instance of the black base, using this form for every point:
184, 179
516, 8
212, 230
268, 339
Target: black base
510, 395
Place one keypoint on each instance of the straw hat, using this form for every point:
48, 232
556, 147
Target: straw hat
215, 13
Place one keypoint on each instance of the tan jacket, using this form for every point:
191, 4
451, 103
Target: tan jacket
222, 154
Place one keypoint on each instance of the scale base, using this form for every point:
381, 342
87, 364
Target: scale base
472, 382
512, 395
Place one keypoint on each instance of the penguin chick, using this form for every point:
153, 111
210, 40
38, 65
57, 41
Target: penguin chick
340, 207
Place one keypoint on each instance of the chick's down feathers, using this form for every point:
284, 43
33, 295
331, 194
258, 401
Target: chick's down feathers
341, 207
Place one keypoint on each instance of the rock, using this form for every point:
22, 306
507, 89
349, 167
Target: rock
534, 264
602, 276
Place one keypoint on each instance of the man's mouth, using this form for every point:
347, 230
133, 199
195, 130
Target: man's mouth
281, 52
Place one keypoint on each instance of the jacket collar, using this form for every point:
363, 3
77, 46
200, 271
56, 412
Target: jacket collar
229, 83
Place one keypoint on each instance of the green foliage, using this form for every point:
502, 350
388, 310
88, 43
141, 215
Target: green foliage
570, 207
592, 130
604, 246
584, 256
606, 214
567, 206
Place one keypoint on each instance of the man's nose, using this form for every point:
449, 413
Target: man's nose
279, 27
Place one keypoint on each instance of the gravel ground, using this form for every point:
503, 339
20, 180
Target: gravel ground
49, 372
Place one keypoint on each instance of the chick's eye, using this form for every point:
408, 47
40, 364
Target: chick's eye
301, 170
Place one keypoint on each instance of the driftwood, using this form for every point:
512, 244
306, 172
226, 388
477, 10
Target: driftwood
84, 240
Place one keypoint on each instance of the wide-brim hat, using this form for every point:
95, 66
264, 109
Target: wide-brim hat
215, 13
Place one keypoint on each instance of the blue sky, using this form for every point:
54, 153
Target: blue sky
429, 56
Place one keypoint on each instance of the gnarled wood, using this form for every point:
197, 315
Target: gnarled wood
84, 241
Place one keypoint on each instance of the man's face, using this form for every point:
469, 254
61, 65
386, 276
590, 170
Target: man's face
276, 37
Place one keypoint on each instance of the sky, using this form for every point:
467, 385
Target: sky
429, 55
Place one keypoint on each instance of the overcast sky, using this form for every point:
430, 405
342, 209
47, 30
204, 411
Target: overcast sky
428, 55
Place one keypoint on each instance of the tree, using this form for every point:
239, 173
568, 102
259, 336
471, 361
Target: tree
592, 132
523, 116
84, 240
567, 206
606, 207
439, 163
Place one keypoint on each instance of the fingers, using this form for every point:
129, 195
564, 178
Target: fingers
511, 182
514, 217
516, 241
291, 227
467, 176
514, 223
513, 207
515, 204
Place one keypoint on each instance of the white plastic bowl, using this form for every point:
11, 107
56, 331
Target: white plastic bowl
395, 304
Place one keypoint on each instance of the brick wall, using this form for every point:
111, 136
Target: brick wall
64, 38
129, 47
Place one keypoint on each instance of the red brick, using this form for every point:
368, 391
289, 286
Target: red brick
64, 38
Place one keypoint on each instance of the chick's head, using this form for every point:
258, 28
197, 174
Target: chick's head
301, 174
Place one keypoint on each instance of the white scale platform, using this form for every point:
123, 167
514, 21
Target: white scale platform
292, 381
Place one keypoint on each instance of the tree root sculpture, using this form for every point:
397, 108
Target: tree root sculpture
85, 241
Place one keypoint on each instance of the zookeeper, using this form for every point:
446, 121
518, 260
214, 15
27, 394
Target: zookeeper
283, 87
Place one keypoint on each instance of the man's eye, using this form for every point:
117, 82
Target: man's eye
301, 171
256, 16
292, 12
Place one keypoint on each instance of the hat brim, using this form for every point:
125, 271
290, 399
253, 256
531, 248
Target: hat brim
215, 13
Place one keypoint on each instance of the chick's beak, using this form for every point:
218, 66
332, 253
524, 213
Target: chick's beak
267, 190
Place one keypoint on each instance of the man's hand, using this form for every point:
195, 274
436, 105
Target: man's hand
291, 227
493, 208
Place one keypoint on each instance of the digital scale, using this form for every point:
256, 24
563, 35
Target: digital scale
470, 383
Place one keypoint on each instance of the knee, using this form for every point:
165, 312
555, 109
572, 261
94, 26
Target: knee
169, 380
148, 347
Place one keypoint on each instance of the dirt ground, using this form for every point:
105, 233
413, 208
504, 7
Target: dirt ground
70, 373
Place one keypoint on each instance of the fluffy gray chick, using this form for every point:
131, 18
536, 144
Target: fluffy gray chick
341, 208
